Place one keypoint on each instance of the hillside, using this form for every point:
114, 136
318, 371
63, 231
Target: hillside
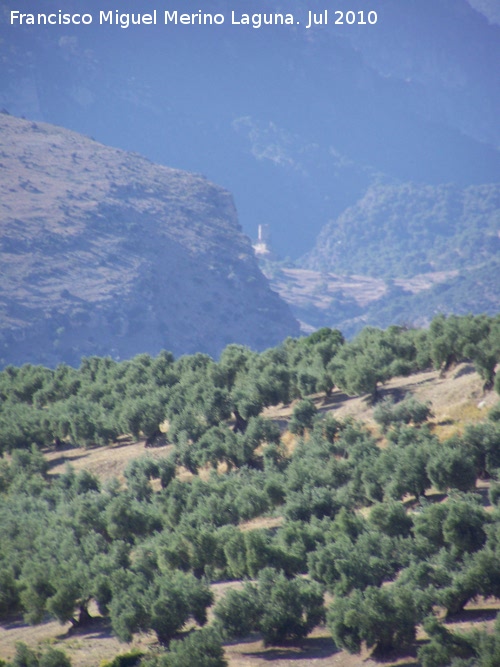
403, 230
103, 252
298, 123
457, 401
321, 498
401, 254
350, 302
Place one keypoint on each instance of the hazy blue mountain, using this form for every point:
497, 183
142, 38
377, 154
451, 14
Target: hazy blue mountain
296, 123
405, 230
400, 255
103, 252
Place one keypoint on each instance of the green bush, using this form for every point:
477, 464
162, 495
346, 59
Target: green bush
130, 659
201, 648
26, 657
443, 647
279, 608
303, 417
387, 412
494, 413
54, 658
384, 618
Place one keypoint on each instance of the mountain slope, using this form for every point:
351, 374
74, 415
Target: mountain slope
103, 252
401, 231
296, 123
400, 255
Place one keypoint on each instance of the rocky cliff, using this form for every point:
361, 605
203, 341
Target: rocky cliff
103, 252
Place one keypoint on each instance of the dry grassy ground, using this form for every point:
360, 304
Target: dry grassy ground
104, 462
457, 399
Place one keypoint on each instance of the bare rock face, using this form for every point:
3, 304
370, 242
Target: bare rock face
103, 252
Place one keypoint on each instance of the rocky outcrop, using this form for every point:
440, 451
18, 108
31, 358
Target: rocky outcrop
103, 252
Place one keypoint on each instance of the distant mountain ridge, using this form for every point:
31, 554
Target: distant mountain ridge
400, 255
297, 123
404, 230
103, 252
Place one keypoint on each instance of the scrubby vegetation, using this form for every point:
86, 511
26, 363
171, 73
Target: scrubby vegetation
357, 521
408, 229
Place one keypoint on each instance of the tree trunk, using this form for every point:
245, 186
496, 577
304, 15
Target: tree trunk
489, 384
151, 440
451, 360
84, 618
241, 424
